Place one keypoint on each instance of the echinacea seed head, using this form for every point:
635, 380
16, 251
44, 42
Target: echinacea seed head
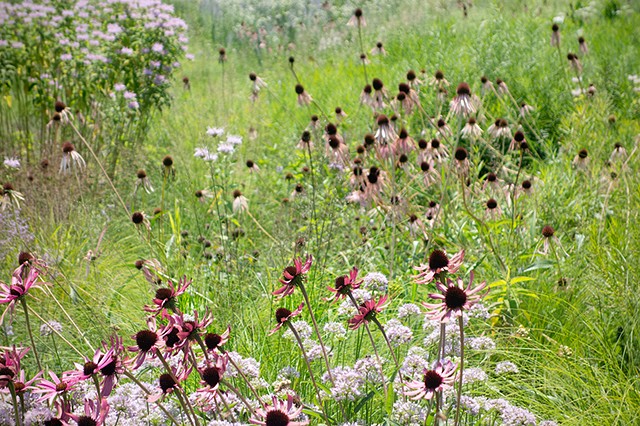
581, 40
425, 166
404, 88
583, 153
379, 45
555, 28
484, 79
338, 110
524, 145
109, 369
291, 60
137, 218
44, 164
145, 339
548, 231
518, 136
526, 184
422, 144
306, 169
439, 75
299, 188
89, 368
212, 341
394, 117
411, 75
461, 154
377, 84
463, 89
86, 421
222, 51
60, 106
53, 422
357, 13
299, 89
282, 314
432, 204
164, 293
61, 387
185, 80
357, 171
360, 149
612, 119
363, 56
166, 382
250, 164
413, 218
499, 81
491, 177
571, 56
492, 204
139, 264
369, 139
7, 187
401, 96
334, 142
441, 122
253, 76
141, 174
403, 159
288, 176
471, 121
455, 297
314, 118
6, 371
236, 193
25, 257
432, 380
503, 123
435, 143
331, 129
438, 260
403, 133
617, 145
276, 418
167, 161
211, 376
382, 120
19, 387
367, 89
68, 147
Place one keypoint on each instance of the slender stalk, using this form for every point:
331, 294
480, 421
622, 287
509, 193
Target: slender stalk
306, 360
57, 333
246, 380
186, 405
106, 175
238, 394
364, 65
315, 327
555, 255
14, 400
513, 194
461, 324
23, 301
145, 390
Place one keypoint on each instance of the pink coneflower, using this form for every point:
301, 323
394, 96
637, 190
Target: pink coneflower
212, 372
455, 299
51, 390
461, 163
167, 384
378, 49
525, 188
438, 80
379, 93
63, 112
357, 19
9, 196
619, 153
365, 97
165, 297
487, 85
340, 114
525, 109
222, 55
443, 128
143, 181
337, 151
415, 225
407, 97
252, 166
257, 83
148, 342
305, 141
437, 265
549, 234
375, 182
215, 341
581, 160
404, 144
106, 363
303, 97
280, 413
471, 130
10, 365
499, 129
94, 414
503, 89
345, 284
440, 378
151, 269
413, 80
189, 327
463, 104
492, 182
582, 45
574, 61
492, 209
240, 202
283, 315
555, 35
292, 276
71, 159
21, 283
516, 141
436, 150
367, 312
429, 173
385, 135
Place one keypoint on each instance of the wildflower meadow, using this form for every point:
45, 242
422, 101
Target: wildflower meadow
322, 212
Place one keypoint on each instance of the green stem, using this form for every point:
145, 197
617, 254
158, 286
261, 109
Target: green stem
23, 301
461, 324
146, 391
14, 400
315, 327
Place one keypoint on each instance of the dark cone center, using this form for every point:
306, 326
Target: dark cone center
89, 368
146, 339
276, 418
432, 380
212, 340
86, 421
455, 298
211, 376
166, 382
282, 314
438, 260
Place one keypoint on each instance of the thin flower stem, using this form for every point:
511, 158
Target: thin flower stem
555, 255
238, 394
461, 324
57, 333
264, 231
186, 405
95, 157
313, 196
14, 400
315, 327
23, 301
480, 222
513, 194
306, 360
364, 65
55, 299
146, 391
97, 385
246, 380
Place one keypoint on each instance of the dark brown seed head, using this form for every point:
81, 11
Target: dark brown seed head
438, 260
212, 340
393, 118
382, 120
137, 218
499, 81
461, 154
60, 106
145, 340
526, 184
334, 142
612, 119
425, 166
288, 176
518, 136
401, 96
299, 188
413, 218
503, 123
68, 147
250, 164
291, 60
404, 88
282, 314
492, 204
222, 51
139, 264
491, 177
571, 56
471, 121
314, 118
377, 84
455, 297
435, 143
379, 45
167, 161
89, 368
44, 164
166, 382
441, 123
411, 75
253, 76
53, 422
463, 89
439, 75
141, 174
484, 79
548, 231
299, 89
331, 129
403, 133
277, 418
236, 193
581, 40
357, 13
360, 149
369, 139
25, 257
422, 144
583, 153
338, 111
185, 80
403, 159
367, 89
555, 28
86, 421
211, 376
432, 204
306, 136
